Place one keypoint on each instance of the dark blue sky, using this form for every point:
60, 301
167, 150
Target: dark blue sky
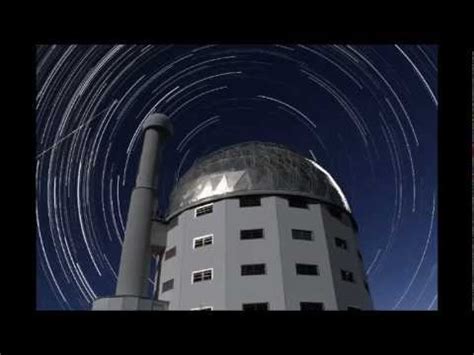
368, 114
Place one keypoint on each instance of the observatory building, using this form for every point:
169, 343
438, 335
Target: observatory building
255, 226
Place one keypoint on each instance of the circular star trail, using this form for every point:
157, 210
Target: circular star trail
367, 114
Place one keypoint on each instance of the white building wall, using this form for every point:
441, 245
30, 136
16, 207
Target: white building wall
304, 288
253, 288
348, 293
281, 287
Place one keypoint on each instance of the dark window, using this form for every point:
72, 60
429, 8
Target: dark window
311, 306
251, 234
335, 212
203, 210
203, 241
301, 234
168, 285
173, 223
307, 269
202, 275
255, 307
249, 201
359, 254
297, 202
252, 269
170, 253
347, 276
350, 308
341, 243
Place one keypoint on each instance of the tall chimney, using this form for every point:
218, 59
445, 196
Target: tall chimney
136, 256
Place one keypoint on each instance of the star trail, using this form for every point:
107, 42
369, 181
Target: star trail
367, 114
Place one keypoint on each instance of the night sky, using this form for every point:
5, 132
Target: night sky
367, 114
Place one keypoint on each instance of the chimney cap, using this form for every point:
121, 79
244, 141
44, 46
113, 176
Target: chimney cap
159, 121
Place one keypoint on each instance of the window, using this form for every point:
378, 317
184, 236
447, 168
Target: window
307, 269
301, 234
253, 269
199, 242
168, 285
205, 308
347, 276
359, 255
249, 201
251, 234
297, 202
203, 210
202, 275
351, 308
335, 212
170, 253
173, 223
255, 306
341, 243
311, 306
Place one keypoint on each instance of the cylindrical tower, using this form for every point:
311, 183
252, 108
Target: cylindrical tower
135, 259
258, 226
131, 291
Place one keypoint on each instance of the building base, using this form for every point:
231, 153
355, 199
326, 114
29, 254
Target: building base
128, 303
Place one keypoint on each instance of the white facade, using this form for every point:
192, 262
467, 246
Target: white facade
218, 262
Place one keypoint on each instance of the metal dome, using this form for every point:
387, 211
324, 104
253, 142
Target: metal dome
253, 168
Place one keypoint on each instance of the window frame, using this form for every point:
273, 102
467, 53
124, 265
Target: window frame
310, 302
166, 257
352, 278
293, 230
305, 265
344, 242
256, 303
296, 200
253, 230
249, 198
353, 308
250, 265
168, 289
202, 271
201, 207
203, 237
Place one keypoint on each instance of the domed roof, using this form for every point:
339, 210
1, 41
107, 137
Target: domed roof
253, 168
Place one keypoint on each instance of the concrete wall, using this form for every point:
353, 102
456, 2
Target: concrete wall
304, 288
253, 288
171, 268
347, 293
281, 287
186, 295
